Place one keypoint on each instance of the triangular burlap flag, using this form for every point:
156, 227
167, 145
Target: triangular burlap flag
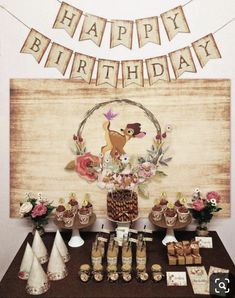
38, 282
148, 31
62, 246
93, 29
157, 69
35, 44
67, 18
26, 262
121, 33
107, 72
82, 68
182, 61
132, 73
56, 269
206, 49
59, 57
39, 248
174, 22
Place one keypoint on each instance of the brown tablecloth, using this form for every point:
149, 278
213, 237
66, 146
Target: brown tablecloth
71, 286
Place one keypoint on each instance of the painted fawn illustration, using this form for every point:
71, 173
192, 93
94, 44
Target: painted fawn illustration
116, 141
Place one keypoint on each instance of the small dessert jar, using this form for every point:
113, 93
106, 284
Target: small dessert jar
126, 273
142, 275
112, 273
98, 272
85, 272
170, 217
60, 212
83, 216
157, 274
68, 218
183, 214
74, 205
157, 212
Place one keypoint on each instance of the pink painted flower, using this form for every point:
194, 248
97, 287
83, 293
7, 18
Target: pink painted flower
39, 210
85, 166
146, 170
213, 195
198, 205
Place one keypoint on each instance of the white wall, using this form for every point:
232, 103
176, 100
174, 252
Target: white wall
203, 17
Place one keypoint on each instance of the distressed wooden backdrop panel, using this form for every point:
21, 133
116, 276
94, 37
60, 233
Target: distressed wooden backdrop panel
46, 113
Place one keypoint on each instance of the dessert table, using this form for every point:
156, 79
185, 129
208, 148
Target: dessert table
71, 286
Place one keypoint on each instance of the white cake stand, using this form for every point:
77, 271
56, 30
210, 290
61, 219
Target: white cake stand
76, 239
170, 234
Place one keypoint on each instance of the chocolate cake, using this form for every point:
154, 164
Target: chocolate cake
122, 205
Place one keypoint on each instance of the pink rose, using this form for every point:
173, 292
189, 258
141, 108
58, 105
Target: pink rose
198, 205
213, 195
39, 210
85, 166
147, 170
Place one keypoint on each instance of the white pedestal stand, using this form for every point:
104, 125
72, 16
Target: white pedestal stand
170, 237
75, 240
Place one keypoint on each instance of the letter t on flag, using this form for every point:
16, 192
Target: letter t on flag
35, 44
67, 18
107, 72
174, 22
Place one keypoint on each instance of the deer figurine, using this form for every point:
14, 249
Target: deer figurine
116, 141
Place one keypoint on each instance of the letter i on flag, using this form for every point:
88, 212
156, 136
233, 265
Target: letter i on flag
174, 22
35, 44
206, 49
67, 18
93, 29
59, 57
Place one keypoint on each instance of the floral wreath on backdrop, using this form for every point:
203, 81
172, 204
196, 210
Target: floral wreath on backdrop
114, 169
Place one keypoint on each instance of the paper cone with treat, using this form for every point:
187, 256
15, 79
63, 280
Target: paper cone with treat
26, 262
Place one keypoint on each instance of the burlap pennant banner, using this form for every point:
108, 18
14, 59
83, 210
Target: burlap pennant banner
174, 22
35, 44
121, 33
107, 72
59, 57
93, 29
67, 18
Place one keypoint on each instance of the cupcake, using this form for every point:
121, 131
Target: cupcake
90, 208
163, 201
74, 205
83, 216
60, 212
170, 217
157, 212
183, 214
68, 218
178, 204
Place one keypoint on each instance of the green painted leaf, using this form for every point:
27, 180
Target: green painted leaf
143, 191
70, 166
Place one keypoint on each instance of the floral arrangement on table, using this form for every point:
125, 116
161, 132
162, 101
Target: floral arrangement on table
114, 169
37, 209
203, 209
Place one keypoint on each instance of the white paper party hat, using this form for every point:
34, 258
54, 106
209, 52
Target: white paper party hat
38, 282
39, 248
56, 269
26, 262
62, 247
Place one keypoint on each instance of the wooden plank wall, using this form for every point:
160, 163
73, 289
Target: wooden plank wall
46, 113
